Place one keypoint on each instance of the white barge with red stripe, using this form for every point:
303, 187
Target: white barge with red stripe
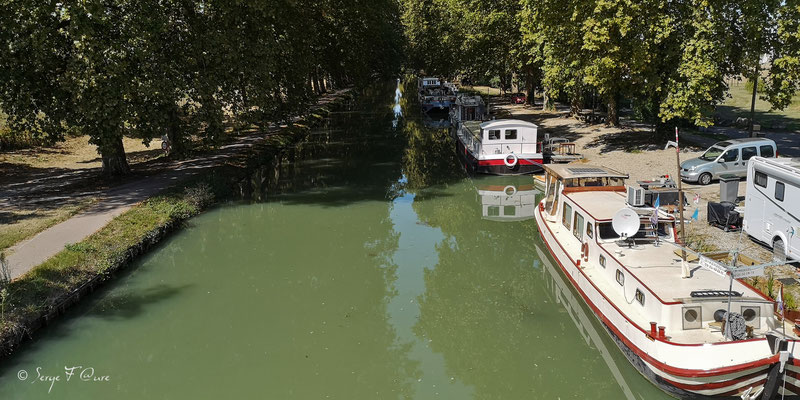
500, 147
664, 324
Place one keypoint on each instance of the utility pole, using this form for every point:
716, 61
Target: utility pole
680, 199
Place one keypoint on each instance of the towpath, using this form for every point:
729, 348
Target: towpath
112, 202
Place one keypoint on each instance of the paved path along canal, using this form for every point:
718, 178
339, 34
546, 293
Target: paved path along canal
374, 268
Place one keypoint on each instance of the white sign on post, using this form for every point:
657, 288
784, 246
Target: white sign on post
747, 272
713, 266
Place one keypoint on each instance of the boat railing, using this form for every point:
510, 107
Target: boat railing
471, 141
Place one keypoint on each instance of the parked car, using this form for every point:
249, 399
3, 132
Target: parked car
726, 158
772, 205
518, 98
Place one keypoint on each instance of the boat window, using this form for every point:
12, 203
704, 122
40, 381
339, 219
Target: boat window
590, 182
780, 189
605, 231
589, 230
616, 182
577, 224
767, 151
566, 217
731, 155
602, 261
748, 152
509, 210
620, 278
556, 198
761, 179
494, 134
639, 296
511, 134
493, 211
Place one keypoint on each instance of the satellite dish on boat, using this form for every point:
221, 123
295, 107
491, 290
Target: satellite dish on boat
625, 222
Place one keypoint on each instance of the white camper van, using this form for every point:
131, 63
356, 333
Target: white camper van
772, 204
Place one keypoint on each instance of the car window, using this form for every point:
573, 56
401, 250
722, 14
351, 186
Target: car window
731, 155
748, 152
767, 151
712, 153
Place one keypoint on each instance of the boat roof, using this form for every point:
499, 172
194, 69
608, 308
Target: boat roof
601, 205
659, 268
569, 171
507, 123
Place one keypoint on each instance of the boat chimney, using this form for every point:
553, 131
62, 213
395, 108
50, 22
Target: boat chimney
661, 332
653, 332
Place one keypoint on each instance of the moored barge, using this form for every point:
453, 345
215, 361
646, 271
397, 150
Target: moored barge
499, 147
666, 316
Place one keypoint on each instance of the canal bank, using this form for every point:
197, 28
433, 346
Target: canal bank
375, 268
41, 295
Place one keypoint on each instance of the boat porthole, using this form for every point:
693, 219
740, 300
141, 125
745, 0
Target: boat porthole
639, 296
690, 315
620, 278
602, 261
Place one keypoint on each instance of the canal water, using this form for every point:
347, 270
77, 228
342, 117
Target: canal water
369, 266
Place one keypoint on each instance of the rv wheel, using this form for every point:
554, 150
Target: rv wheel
704, 179
778, 250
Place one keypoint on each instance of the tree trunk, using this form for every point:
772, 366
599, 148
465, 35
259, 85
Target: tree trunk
575, 104
320, 84
547, 103
753, 100
315, 84
613, 112
529, 94
177, 142
112, 152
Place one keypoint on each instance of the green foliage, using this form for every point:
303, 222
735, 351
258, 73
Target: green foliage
783, 81
770, 285
789, 300
670, 57
748, 85
148, 68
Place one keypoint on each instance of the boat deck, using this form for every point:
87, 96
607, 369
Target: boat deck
655, 266
659, 268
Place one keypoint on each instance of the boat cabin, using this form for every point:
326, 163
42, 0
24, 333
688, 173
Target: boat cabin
501, 136
501, 147
467, 108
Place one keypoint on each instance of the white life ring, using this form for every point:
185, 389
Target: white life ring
510, 190
513, 160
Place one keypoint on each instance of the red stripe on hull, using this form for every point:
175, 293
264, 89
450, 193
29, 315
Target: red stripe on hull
719, 385
521, 161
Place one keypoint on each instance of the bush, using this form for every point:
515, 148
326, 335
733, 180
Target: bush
199, 196
16, 141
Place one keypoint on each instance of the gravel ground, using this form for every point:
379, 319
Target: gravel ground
632, 149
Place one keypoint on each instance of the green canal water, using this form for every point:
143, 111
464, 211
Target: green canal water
371, 267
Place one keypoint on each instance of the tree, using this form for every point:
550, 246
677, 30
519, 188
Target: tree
783, 80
